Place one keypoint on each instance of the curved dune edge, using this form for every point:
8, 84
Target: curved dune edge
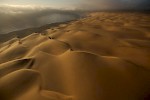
104, 56
14, 65
10, 88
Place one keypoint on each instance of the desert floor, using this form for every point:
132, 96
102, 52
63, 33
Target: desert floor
104, 56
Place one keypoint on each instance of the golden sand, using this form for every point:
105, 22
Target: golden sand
105, 56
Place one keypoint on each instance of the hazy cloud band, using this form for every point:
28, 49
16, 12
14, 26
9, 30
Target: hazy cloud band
116, 4
20, 17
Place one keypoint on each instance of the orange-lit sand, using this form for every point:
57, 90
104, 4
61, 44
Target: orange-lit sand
105, 56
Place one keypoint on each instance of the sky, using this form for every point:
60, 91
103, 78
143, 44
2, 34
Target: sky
21, 14
83, 4
50, 3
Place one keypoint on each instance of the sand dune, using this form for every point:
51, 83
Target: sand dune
9, 83
14, 65
104, 56
14, 52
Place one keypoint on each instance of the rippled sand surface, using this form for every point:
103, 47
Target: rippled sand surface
104, 56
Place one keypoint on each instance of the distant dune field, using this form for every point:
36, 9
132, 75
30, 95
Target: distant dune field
104, 56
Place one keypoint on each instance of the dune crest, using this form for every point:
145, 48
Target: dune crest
104, 56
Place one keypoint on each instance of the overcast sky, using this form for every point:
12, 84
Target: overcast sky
20, 14
83, 4
50, 3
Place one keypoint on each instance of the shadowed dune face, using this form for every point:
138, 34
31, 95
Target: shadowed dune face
104, 56
13, 52
11, 84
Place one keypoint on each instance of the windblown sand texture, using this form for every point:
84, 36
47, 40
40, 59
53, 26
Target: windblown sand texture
105, 56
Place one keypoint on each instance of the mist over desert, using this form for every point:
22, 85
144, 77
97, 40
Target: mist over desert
92, 55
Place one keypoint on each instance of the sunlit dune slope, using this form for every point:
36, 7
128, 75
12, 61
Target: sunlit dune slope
104, 56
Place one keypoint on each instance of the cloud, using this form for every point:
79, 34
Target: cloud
115, 4
15, 17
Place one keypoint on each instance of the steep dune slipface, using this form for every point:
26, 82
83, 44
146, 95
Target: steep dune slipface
15, 51
14, 65
104, 56
17, 83
50, 71
108, 78
33, 40
53, 47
